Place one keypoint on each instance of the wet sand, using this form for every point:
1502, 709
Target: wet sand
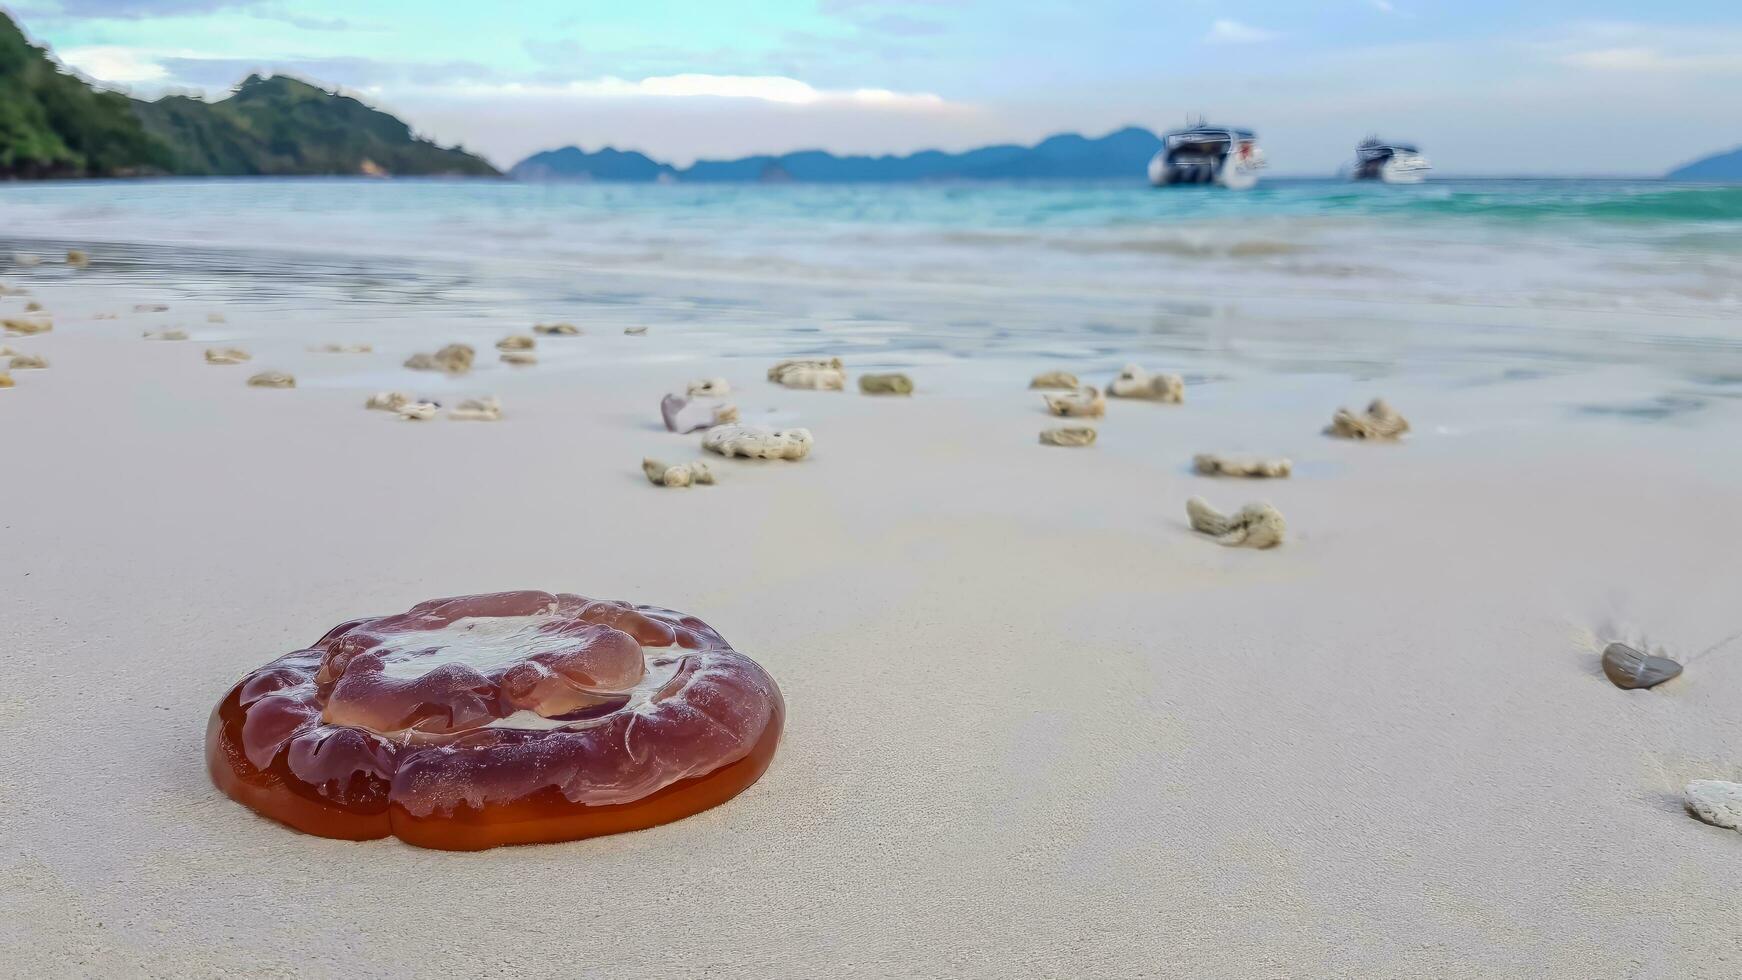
1037, 727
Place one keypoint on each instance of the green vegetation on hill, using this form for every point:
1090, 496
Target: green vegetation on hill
281, 126
54, 125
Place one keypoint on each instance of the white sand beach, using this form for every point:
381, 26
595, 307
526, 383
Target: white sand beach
1037, 727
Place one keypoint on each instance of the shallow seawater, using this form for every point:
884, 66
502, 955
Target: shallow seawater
1478, 282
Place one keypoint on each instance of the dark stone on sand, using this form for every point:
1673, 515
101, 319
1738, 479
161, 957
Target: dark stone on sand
1630, 670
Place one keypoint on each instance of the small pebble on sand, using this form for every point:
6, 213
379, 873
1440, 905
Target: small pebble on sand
1211, 464
516, 341
635, 331
885, 384
519, 358
1715, 801
1632, 670
557, 329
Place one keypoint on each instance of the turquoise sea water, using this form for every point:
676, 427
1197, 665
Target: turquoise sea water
1588, 268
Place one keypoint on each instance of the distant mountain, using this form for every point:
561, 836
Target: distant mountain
573, 163
1124, 153
52, 124
1717, 167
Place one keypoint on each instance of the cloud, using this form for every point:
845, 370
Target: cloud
1650, 60
140, 9
1225, 31
114, 63
759, 88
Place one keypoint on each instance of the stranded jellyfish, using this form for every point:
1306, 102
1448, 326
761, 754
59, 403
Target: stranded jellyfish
513, 718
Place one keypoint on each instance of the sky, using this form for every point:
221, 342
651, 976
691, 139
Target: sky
1485, 86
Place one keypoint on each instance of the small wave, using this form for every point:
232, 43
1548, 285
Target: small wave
1628, 204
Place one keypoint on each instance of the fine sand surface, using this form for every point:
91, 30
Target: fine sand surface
1037, 727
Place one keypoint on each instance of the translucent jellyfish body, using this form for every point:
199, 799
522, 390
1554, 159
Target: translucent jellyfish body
511, 718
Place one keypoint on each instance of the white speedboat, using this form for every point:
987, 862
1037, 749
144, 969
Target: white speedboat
1393, 163
1203, 154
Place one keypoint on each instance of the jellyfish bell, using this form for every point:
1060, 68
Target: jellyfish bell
510, 718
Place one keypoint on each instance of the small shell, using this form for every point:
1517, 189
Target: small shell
1210, 464
1083, 403
21, 362
556, 329
1056, 379
1631, 670
226, 355
389, 401
1069, 435
78, 258
1380, 421
516, 341
174, 333
487, 409
682, 475
1255, 526
418, 411
272, 379
519, 358
635, 331
28, 326
1134, 382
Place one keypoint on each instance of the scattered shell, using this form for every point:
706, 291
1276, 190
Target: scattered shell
709, 388
519, 358
635, 331
1631, 670
33, 307
78, 258
1056, 379
226, 355
1068, 435
1210, 464
22, 362
813, 374
685, 415
171, 334
215, 318
389, 401
681, 475
417, 411
150, 308
27, 327
272, 379
1715, 801
1083, 403
516, 341
487, 409
454, 359
1255, 526
6, 380
557, 329
885, 384
757, 441
345, 349
1134, 382
1381, 421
